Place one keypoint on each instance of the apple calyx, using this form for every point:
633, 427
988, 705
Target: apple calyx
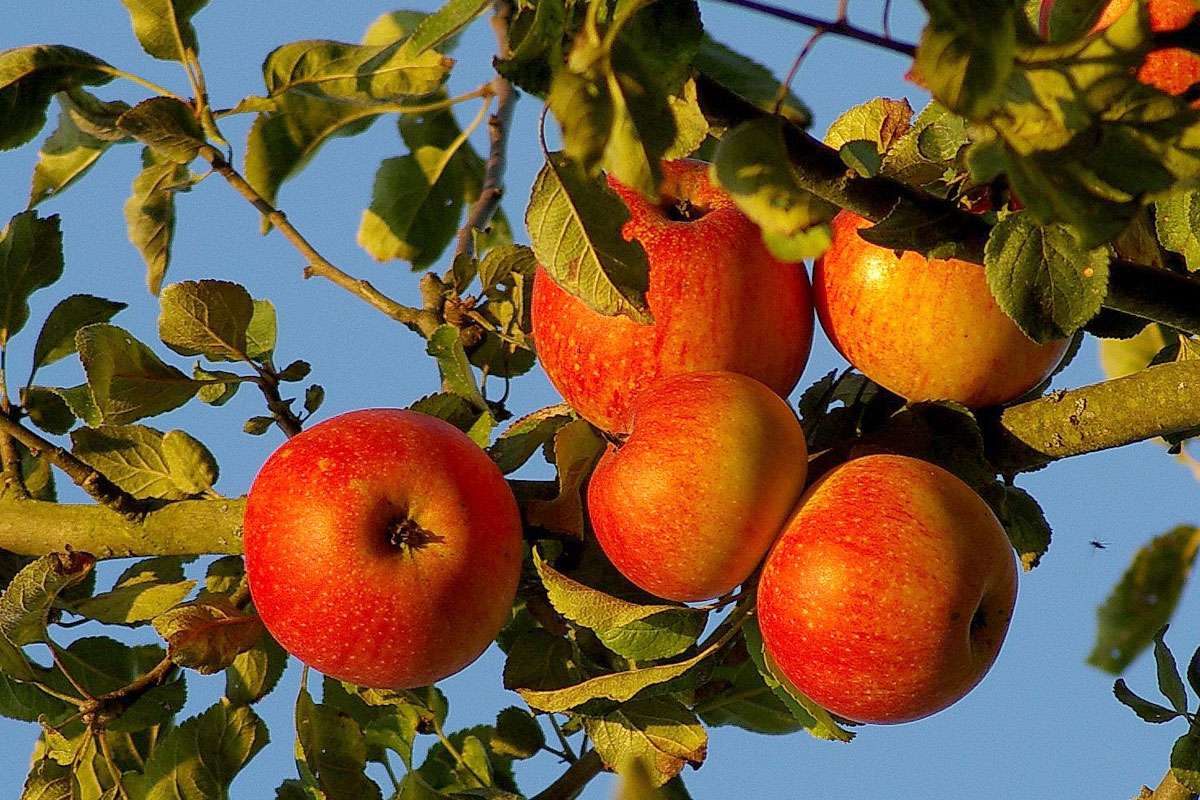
680, 209
404, 532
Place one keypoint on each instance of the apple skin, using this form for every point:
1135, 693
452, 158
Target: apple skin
687, 507
335, 591
889, 592
1171, 69
720, 301
924, 329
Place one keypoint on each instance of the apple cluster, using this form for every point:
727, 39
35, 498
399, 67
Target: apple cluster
884, 589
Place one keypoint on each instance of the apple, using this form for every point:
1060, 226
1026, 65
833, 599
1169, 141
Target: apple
889, 591
719, 299
1171, 69
926, 329
687, 507
382, 547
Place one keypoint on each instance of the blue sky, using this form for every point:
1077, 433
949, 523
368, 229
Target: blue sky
1043, 724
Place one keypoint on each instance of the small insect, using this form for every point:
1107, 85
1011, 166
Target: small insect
1097, 544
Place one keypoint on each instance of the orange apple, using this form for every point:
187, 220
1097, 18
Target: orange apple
1171, 69
926, 329
382, 547
889, 592
720, 301
688, 505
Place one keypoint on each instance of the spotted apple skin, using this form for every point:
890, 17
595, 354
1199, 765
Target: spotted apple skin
383, 548
926, 329
687, 507
889, 592
719, 299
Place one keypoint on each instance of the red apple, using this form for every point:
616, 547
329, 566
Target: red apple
720, 301
383, 548
688, 506
1171, 69
927, 329
888, 594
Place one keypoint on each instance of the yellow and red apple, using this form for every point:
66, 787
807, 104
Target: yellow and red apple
889, 591
719, 299
383, 548
687, 507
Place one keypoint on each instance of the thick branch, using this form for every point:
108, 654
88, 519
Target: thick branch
1157, 401
186, 527
1146, 292
839, 27
571, 783
421, 320
499, 123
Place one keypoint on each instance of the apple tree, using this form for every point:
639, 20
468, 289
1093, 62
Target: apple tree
1052, 159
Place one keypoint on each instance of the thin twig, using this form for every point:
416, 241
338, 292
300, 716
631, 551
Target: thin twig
423, 321
492, 189
13, 481
838, 27
568, 752
570, 783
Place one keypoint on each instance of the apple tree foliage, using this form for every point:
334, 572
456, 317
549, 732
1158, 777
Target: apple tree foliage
1104, 241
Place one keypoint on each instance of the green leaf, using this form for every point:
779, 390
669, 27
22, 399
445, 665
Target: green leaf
164, 27
199, 759
814, 719
261, 332
257, 426
353, 73
748, 79
1121, 357
1043, 279
577, 447
150, 213
298, 370
156, 708
26, 702
575, 229
48, 780
254, 673
39, 479
56, 340
1185, 760
908, 227
47, 409
79, 400
66, 155
445, 346
395, 731
314, 396
658, 731
1169, 681
133, 457
26, 603
527, 435
416, 204
207, 317
1177, 221
207, 634
30, 259
540, 661
30, 76
535, 44
1148, 711
189, 463
518, 734
127, 380
737, 695
752, 164
334, 750
142, 592
864, 134
216, 394
1024, 523
923, 155
966, 54
1144, 599
442, 25
167, 126
1069, 19
641, 632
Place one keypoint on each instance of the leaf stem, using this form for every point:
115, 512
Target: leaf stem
568, 753
129, 76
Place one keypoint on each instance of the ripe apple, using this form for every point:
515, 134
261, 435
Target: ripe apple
1171, 69
688, 505
720, 301
888, 594
382, 547
927, 329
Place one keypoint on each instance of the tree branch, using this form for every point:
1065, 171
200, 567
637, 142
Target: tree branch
1146, 292
571, 783
95, 484
1168, 789
422, 321
1157, 401
838, 27
499, 123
